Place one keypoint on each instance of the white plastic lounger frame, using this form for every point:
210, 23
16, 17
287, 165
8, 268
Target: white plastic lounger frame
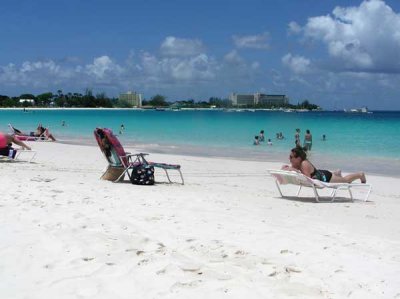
31, 152
283, 177
17, 156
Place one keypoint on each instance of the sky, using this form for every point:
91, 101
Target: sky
337, 54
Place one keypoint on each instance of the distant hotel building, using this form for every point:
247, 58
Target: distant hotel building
258, 99
133, 98
30, 101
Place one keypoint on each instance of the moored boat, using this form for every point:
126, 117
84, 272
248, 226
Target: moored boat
358, 110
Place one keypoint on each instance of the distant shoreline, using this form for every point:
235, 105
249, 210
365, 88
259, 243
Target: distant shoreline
183, 109
61, 108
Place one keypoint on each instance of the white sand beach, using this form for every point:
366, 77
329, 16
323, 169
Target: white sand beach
226, 233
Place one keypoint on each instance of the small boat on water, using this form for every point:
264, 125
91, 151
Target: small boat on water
358, 110
288, 110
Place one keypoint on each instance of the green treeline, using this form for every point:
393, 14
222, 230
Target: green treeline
100, 100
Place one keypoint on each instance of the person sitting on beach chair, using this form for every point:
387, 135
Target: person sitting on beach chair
6, 148
44, 132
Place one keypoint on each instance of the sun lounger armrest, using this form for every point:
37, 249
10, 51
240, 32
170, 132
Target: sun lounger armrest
139, 157
135, 155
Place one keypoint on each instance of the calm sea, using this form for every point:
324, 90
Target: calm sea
370, 142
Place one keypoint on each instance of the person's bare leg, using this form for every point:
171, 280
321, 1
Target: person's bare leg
49, 135
338, 172
348, 178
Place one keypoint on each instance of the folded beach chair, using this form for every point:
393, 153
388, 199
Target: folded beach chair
283, 177
120, 160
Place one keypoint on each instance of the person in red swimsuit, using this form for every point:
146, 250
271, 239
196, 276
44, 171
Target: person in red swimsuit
6, 140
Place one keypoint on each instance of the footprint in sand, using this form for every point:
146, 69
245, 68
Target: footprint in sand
241, 252
57, 191
40, 179
48, 266
186, 285
172, 270
143, 262
291, 269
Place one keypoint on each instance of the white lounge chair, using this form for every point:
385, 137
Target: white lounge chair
284, 177
21, 155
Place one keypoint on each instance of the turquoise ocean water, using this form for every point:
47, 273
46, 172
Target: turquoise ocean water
370, 142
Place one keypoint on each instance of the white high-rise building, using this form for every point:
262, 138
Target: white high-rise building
133, 98
242, 99
258, 99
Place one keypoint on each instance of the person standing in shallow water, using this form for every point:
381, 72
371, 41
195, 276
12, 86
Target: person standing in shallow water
256, 140
121, 129
297, 138
261, 136
308, 140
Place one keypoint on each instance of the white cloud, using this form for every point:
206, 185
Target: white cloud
259, 41
294, 28
233, 58
47, 73
364, 38
38, 73
199, 67
255, 65
102, 66
173, 46
39, 65
296, 64
277, 79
